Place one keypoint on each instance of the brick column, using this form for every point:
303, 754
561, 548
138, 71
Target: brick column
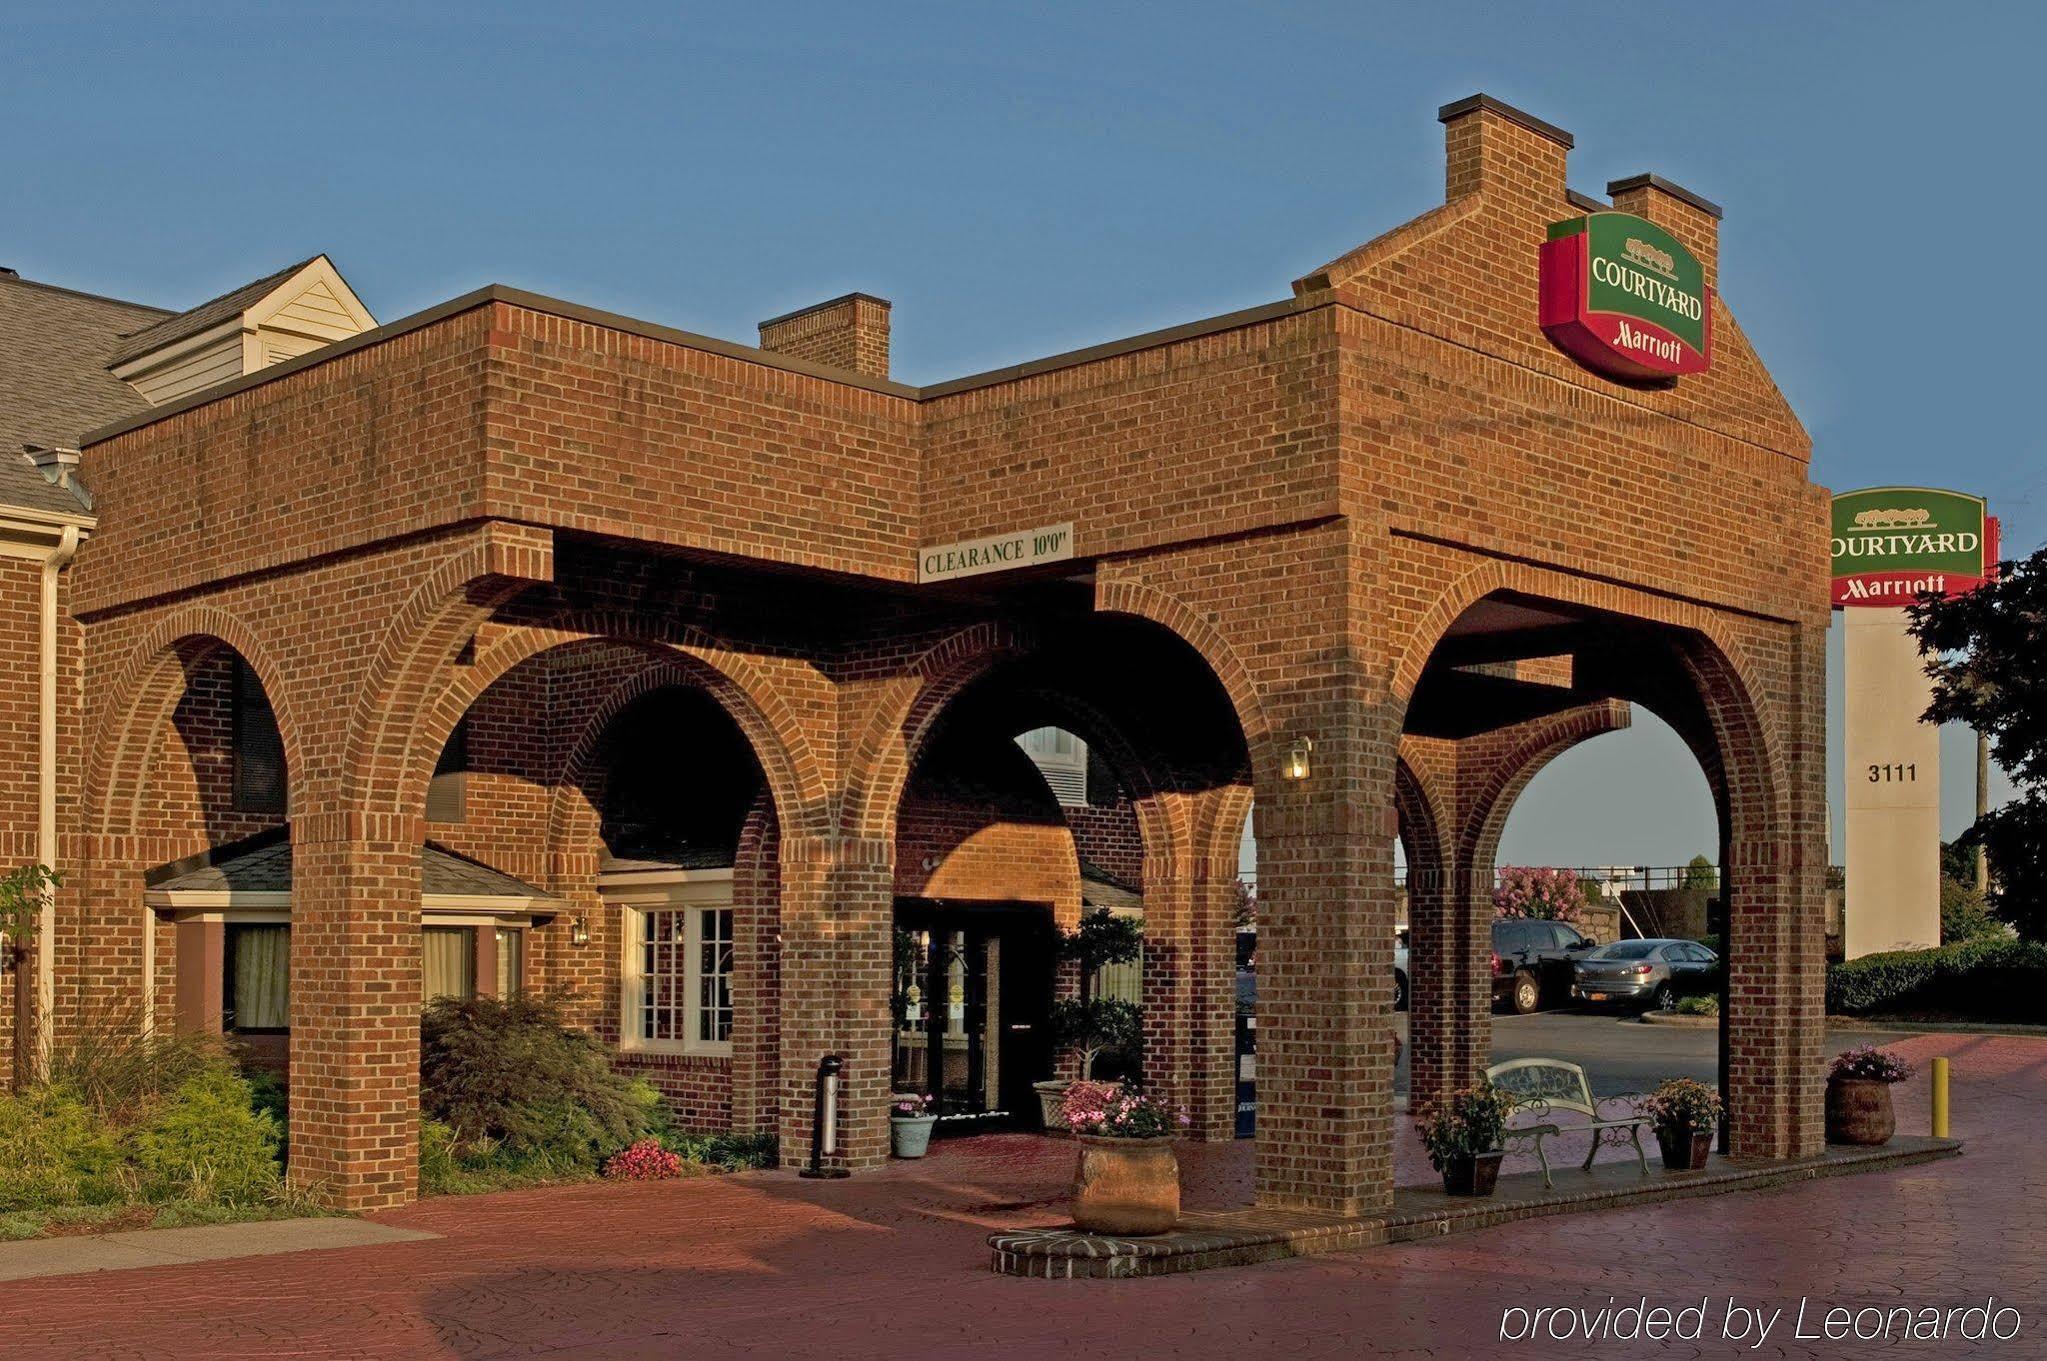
1775, 1026
838, 913
1190, 988
1325, 980
355, 985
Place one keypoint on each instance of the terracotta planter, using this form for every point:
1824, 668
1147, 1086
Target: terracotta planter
1473, 1176
1685, 1152
1859, 1111
1126, 1187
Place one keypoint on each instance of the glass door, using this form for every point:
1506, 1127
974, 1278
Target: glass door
968, 1010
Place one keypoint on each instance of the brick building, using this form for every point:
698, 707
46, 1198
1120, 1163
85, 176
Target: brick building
518, 644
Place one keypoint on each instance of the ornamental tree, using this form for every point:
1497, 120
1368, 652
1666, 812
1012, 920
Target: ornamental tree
1987, 654
1532, 891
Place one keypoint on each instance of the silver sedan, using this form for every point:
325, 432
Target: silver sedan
1655, 972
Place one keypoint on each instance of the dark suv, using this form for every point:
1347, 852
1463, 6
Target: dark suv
1533, 960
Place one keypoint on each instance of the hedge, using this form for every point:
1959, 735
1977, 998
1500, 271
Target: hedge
1993, 978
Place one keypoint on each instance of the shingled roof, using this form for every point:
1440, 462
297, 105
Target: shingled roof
263, 865
204, 317
54, 384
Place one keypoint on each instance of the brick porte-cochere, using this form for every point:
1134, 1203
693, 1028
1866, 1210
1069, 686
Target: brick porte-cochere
1383, 516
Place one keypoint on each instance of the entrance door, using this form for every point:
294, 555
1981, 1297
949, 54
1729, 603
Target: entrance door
973, 997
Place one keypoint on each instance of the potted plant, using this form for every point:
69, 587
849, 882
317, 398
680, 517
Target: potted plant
1090, 1025
1462, 1134
1686, 1114
1126, 1180
909, 1125
1859, 1096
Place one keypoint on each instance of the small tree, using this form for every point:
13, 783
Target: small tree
1987, 654
23, 891
1529, 891
1701, 874
1090, 1025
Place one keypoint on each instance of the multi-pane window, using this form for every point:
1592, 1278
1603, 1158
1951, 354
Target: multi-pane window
682, 990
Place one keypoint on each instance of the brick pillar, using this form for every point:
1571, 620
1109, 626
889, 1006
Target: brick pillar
355, 999
1325, 979
1775, 1026
838, 915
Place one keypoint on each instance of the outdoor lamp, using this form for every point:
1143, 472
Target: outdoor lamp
579, 931
1297, 759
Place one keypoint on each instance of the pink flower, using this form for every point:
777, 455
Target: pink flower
644, 1161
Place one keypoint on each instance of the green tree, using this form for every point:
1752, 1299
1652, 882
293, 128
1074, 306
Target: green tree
23, 891
1090, 1025
1987, 654
1701, 873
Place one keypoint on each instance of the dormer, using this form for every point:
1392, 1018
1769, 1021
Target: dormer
275, 318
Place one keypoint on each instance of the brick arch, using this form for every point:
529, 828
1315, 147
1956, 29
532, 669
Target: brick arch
745, 692
571, 820
1169, 612
1421, 821
1713, 656
437, 619
150, 682
906, 705
1478, 841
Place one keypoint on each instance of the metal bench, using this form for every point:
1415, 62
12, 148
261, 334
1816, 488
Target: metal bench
1540, 1086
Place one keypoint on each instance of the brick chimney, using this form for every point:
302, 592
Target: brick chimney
850, 332
1685, 215
1496, 148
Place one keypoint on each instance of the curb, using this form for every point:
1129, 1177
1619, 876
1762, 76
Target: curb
1904, 1025
1684, 1022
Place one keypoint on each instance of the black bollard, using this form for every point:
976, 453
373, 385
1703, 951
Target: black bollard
824, 1119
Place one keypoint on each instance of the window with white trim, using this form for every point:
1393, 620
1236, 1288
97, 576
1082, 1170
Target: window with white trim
679, 983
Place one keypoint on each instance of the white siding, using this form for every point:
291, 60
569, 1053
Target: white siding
315, 313
188, 373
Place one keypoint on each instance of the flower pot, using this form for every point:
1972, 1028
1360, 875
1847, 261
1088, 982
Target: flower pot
909, 1136
1476, 1175
1126, 1187
1685, 1151
1859, 1111
1050, 1094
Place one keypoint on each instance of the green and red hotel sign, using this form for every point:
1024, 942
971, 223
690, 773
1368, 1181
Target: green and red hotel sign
1892, 544
1623, 296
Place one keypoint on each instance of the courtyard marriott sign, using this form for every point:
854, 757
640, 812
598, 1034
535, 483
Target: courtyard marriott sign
996, 553
1623, 296
1892, 543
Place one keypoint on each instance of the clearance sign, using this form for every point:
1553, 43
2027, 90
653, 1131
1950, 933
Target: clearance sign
1891, 544
1623, 296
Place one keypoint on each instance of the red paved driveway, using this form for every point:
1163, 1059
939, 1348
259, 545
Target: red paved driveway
892, 1265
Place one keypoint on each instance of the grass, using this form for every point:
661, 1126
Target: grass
66, 1221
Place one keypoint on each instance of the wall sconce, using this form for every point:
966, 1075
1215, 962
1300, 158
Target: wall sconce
579, 931
1297, 760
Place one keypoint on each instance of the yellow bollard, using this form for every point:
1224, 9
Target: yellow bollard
1940, 1098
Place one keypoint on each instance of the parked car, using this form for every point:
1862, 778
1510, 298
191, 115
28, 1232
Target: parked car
1654, 972
1532, 961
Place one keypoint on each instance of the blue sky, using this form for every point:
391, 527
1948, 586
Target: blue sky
1025, 179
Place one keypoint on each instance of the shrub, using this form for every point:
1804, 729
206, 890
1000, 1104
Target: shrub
116, 1062
1965, 913
437, 1166
1992, 978
1527, 891
645, 1160
55, 1151
207, 1143
1701, 873
1698, 1006
507, 1074
724, 1152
